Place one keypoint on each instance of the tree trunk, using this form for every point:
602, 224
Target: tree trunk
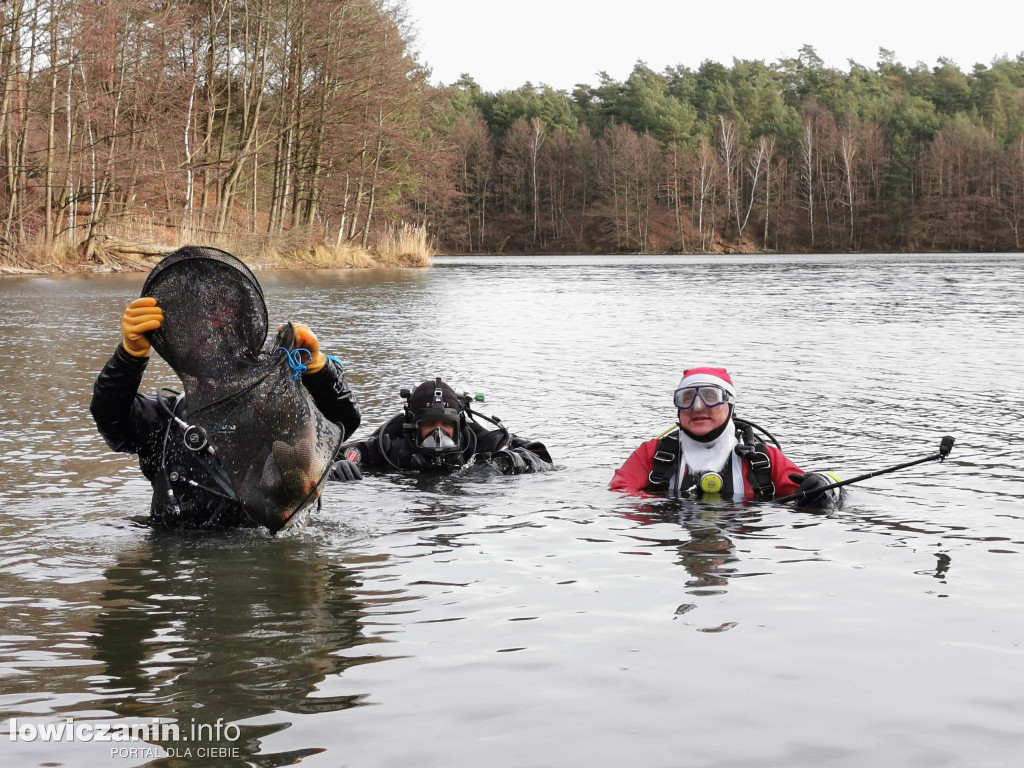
807, 160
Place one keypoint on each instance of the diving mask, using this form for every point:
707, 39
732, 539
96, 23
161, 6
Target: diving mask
709, 394
438, 436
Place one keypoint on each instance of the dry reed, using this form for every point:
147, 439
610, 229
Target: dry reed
406, 246
139, 242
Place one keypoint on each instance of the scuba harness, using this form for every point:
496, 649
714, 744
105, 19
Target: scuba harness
750, 448
197, 444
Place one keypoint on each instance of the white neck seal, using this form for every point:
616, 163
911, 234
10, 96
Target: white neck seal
706, 457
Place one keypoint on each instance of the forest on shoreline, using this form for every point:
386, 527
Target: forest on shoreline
306, 131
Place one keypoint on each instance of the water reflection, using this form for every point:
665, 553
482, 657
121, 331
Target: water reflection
709, 553
226, 626
712, 558
102, 617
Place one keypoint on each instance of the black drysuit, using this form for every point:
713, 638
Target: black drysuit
390, 447
131, 422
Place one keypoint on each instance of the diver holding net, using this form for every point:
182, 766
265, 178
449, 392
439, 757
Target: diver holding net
439, 432
254, 437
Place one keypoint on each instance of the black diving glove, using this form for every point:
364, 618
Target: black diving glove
345, 470
508, 462
812, 485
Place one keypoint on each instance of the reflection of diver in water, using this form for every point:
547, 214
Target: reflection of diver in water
195, 630
709, 553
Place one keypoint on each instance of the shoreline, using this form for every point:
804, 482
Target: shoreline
122, 258
255, 266
361, 261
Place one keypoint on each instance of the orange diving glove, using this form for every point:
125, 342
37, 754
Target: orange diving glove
304, 337
141, 316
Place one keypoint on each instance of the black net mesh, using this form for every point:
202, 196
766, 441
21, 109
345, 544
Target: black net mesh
273, 443
216, 319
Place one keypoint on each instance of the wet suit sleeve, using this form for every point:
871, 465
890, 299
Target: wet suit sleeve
123, 416
782, 468
635, 474
521, 457
368, 453
333, 397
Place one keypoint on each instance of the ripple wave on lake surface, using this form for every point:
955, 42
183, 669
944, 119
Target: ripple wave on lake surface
542, 620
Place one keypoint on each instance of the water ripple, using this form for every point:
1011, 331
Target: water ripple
503, 619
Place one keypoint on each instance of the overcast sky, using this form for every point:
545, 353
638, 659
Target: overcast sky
564, 42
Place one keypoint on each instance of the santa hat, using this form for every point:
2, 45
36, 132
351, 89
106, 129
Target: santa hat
718, 377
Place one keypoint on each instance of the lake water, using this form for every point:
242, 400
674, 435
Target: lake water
542, 620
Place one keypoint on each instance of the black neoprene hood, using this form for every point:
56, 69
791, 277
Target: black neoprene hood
434, 399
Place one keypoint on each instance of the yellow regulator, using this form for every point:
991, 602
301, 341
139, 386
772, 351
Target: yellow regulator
711, 482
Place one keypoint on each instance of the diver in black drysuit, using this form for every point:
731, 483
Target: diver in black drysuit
131, 422
437, 432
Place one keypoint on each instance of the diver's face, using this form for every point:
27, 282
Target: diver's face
447, 426
701, 419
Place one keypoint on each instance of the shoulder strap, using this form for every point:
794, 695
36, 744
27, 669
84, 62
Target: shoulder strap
759, 462
666, 460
